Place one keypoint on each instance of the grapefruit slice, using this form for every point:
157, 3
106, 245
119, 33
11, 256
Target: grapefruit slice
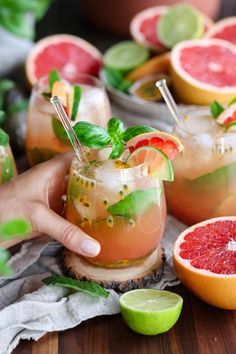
228, 116
224, 29
159, 166
204, 70
143, 27
205, 261
165, 142
68, 54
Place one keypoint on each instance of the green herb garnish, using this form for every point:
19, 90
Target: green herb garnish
59, 131
97, 137
87, 287
18, 106
77, 96
14, 228
232, 102
4, 138
115, 79
14, 15
135, 203
216, 109
7, 169
52, 78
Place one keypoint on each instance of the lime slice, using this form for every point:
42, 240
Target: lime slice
149, 311
159, 166
125, 56
180, 23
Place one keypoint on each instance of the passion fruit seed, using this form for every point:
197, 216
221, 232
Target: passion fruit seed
131, 223
85, 201
120, 164
110, 221
121, 194
125, 186
105, 203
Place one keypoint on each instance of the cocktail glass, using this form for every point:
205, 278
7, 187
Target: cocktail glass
7, 164
205, 171
122, 208
45, 135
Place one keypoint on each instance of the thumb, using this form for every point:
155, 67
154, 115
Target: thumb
72, 237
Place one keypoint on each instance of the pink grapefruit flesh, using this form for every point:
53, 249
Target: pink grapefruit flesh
224, 29
68, 54
204, 70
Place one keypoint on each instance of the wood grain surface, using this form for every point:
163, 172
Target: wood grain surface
201, 329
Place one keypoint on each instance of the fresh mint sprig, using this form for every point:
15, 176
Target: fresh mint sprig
52, 78
87, 287
96, 137
4, 138
216, 109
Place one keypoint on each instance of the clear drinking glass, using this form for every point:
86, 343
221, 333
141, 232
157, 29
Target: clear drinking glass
45, 135
205, 171
7, 164
122, 208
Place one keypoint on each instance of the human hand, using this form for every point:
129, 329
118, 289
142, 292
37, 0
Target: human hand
36, 196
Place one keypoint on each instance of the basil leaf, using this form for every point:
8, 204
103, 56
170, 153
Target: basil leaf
53, 77
87, 287
4, 138
117, 149
7, 169
216, 109
125, 85
5, 269
14, 228
115, 127
42, 7
6, 85
77, 96
232, 102
136, 130
135, 203
2, 117
92, 135
18, 106
59, 131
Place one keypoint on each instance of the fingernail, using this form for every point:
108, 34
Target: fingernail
90, 247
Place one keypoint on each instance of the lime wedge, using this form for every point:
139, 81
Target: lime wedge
149, 311
159, 165
125, 56
179, 23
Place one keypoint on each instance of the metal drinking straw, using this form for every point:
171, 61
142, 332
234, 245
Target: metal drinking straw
79, 151
161, 84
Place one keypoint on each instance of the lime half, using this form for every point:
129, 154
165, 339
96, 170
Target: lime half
149, 311
125, 56
178, 24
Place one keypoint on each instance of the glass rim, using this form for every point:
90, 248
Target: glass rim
196, 112
96, 81
120, 171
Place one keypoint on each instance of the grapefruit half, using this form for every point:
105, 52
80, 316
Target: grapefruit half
205, 261
68, 54
143, 27
204, 70
224, 29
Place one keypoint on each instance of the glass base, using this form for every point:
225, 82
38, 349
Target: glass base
121, 279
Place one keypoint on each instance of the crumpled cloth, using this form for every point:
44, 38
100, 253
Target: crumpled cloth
29, 309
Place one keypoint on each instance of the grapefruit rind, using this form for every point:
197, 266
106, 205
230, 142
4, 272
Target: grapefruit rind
191, 90
217, 28
159, 167
136, 22
162, 135
56, 39
228, 112
216, 289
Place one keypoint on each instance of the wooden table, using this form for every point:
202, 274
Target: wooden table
201, 329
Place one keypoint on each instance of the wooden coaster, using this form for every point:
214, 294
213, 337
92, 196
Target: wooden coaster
121, 279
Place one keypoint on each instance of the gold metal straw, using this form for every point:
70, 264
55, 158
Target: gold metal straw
161, 84
79, 151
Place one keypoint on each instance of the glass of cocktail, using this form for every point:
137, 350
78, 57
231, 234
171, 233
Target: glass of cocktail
45, 135
205, 171
7, 163
121, 207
